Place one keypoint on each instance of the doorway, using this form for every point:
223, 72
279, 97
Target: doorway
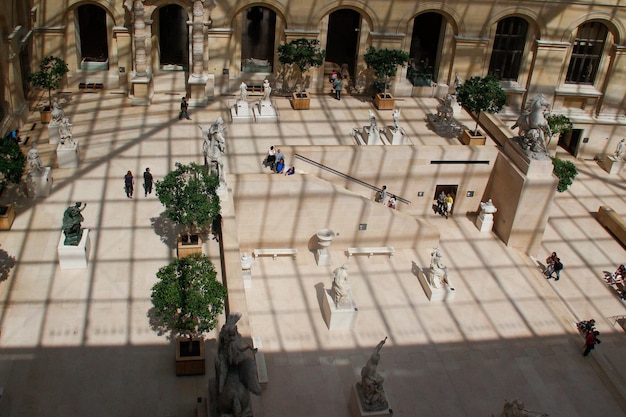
257, 40
447, 189
92, 29
173, 38
342, 44
571, 141
426, 41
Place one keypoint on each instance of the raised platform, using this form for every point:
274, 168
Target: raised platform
338, 318
39, 185
611, 164
74, 257
68, 155
265, 112
445, 293
530, 167
240, 112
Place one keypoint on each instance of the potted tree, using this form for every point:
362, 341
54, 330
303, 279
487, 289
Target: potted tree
385, 63
188, 300
559, 124
49, 76
301, 54
477, 95
190, 199
12, 162
565, 171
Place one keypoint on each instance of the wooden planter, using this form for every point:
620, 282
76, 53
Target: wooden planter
46, 115
185, 249
189, 356
7, 215
468, 138
301, 101
384, 101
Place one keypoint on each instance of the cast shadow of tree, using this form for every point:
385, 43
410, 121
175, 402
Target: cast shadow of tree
159, 326
166, 230
7, 262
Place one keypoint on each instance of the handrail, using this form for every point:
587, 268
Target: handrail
348, 177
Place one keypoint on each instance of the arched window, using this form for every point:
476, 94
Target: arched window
93, 43
586, 53
508, 48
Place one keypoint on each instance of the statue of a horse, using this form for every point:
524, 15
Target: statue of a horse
532, 117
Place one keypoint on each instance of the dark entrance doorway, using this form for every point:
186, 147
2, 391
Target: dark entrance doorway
570, 141
426, 41
92, 28
447, 189
173, 38
257, 40
342, 44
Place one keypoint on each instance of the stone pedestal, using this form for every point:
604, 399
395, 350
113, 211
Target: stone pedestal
529, 166
322, 257
74, 257
240, 112
356, 409
264, 111
484, 222
197, 90
373, 137
68, 155
39, 184
396, 136
141, 90
445, 293
611, 164
246, 270
54, 136
338, 318
324, 238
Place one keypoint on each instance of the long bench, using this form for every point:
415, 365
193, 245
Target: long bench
382, 250
612, 221
275, 252
90, 86
259, 358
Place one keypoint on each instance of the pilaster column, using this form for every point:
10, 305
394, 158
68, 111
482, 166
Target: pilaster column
197, 39
613, 96
141, 68
13, 79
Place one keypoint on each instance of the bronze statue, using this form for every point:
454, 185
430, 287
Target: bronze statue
72, 218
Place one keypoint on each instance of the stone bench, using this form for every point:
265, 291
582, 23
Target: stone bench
275, 252
612, 221
259, 358
90, 86
383, 250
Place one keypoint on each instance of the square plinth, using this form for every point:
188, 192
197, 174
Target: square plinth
54, 136
39, 185
68, 155
240, 112
611, 164
264, 111
74, 257
484, 223
356, 409
322, 257
338, 318
445, 293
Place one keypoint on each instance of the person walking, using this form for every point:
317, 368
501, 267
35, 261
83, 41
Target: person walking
184, 106
147, 182
441, 203
591, 341
129, 184
449, 201
338, 85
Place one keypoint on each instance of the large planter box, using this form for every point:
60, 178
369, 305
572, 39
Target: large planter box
189, 357
94, 65
7, 215
185, 249
384, 101
46, 115
469, 139
301, 101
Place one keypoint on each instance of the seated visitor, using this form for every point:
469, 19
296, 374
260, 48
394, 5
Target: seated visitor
15, 136
280, 166
392, 201
290, 171
550, 261
617, 276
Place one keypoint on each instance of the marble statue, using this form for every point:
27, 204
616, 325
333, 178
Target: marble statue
488, 207
57, 112
340, 291
243, 92
72, 218
438, 275
372, 393
372, 120
533, 118
65, 132
619, 150
445, 110
396, 118
267, 90
458, 82
35, 166
236, 371
213, 147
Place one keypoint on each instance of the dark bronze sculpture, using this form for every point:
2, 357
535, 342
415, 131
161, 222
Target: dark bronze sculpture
72, 218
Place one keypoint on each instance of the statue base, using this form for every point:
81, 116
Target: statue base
68, 155
338, 318
54, 136
264, 111
74, 257
396, 135
247, 278
611, 164
445, 293
39, 184
529, 167
356, 407
484, 222
197, 90
240, 112
372, 139
322, 257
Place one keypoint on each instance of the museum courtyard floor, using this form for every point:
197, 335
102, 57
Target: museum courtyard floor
79, 342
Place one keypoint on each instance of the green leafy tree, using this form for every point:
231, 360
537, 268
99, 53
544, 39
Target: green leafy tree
303, 54
559, 124
385, 63
478, 94
12, 161
189, 196
49, 76
188, 298
565, 171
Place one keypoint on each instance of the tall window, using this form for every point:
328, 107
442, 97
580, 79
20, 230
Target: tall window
508, 48
93, 35
586, 53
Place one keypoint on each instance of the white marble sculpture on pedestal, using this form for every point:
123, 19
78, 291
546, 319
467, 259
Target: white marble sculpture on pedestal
338, 308
395, 132
57, 115
240, 111
213, 147
38, 179
371, 132
324, 238
264, 110
436, 283
484, 221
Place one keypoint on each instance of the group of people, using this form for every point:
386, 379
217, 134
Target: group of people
381, 197
553, 267
444, 204
275, 160
129, 183
589, 332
